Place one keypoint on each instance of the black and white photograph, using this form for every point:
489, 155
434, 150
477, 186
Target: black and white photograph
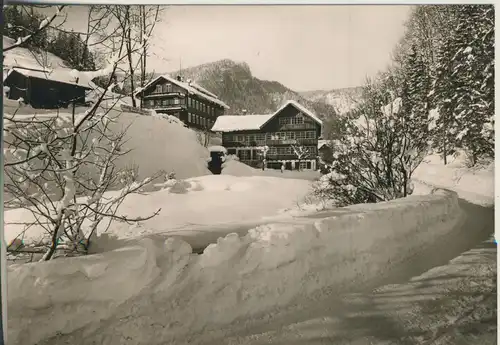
248, 174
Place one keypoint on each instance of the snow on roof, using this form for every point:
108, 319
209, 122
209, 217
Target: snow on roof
191, 88
60, 75
234, 123
202, 89
217, 149
302, 109
322, 143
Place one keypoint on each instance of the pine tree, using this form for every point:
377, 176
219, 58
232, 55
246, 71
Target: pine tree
444, 98
464, 85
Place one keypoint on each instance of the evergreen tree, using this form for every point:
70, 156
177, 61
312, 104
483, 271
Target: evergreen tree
464, 90
416, 85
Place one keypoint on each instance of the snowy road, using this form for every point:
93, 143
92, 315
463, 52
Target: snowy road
382, 313
356, 315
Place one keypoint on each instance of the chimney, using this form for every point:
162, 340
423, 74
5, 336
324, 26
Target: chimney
179, 78
244, 111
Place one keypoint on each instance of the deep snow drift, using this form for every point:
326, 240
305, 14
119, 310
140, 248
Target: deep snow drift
175, 293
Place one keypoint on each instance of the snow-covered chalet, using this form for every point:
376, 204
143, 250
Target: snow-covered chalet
287, 137
184, 99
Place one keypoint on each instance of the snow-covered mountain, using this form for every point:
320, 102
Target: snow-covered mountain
342, 100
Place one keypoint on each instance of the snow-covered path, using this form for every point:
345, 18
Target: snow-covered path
395, 308
347, 314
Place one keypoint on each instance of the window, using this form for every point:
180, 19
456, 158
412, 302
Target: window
290, 135
298, 120
303, 165
310, 135
284, 150
177, 101
284, 121
227, 137
239, 138
189, 117
301, 135
244, 154
164, 102
168, 88
158, 89
260, 139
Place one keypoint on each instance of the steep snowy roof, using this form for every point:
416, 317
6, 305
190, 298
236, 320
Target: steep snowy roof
191, 88
59, 75
302, 109
234, 123
322, 143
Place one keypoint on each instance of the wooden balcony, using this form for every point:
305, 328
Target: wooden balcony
292, 142
298, 126
289, 157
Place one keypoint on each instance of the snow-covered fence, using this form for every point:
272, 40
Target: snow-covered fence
272, 266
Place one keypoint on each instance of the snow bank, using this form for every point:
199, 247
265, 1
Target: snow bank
158, 144
47, 293
475, 185
237, 278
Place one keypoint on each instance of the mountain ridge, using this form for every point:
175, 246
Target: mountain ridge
234, 83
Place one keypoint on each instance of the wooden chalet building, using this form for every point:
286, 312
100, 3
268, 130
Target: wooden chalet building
44, 89
290, 128
189, 102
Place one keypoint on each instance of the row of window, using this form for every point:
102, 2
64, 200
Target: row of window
288, 150
195, 104
176, 101
261, 137
297, 120
200, 121
165, 88
150, 103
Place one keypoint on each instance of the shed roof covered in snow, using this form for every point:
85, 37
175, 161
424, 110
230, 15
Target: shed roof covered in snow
322, 143
191, 87
236, 123
61, 76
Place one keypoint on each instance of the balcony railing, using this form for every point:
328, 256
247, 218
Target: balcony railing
298, 126
286, 157
292, 142
254, 143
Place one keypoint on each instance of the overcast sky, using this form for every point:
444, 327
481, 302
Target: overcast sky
303, 47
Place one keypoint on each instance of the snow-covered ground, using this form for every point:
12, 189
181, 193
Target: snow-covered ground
475, 185
176, 294
202, 204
